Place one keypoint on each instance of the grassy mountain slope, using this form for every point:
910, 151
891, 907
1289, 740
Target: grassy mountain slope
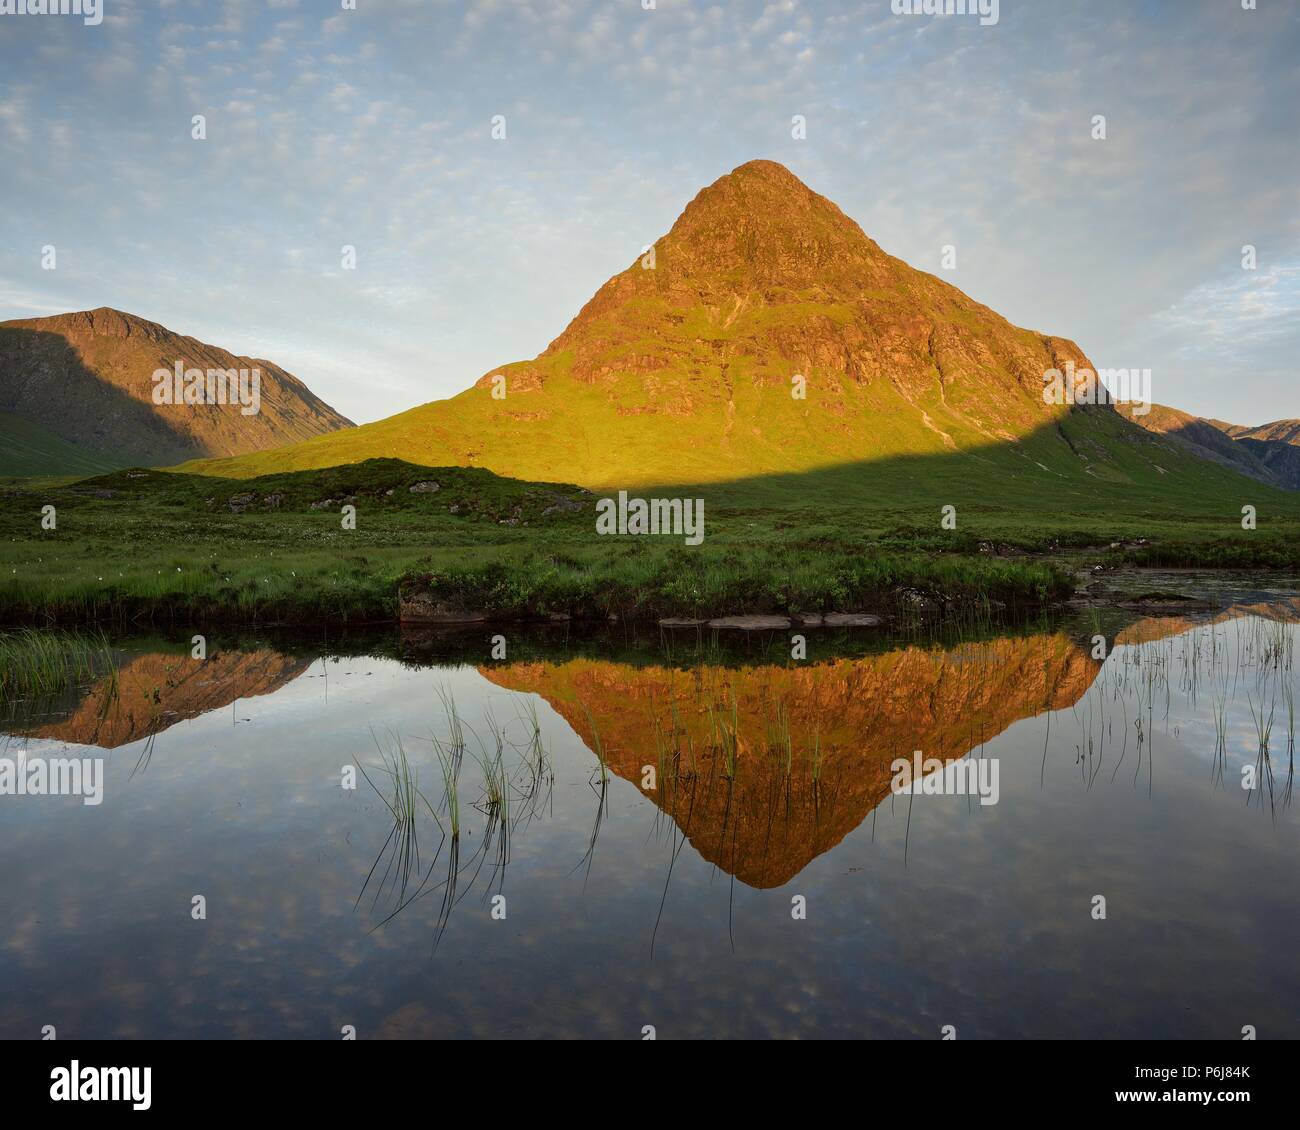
29, 449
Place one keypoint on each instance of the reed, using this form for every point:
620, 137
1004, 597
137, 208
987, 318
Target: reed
38, 661
597, 746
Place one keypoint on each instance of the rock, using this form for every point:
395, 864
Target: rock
273, 501
919, 602
325, 505
240, 502
560, 504
751, 623
421, 608
852, 620
809, 619
428, 486
680, 622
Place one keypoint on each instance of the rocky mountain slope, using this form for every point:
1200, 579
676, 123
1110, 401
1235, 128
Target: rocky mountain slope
1269, 453
86, 380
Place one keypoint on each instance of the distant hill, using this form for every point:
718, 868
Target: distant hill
686, 368
83, 386
1276, 445
1269, 453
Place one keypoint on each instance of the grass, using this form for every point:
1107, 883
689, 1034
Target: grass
451, 754
36, 663
402, 797
726, 735
161, 548
1246, 551
597, 746
648, 582
28, 449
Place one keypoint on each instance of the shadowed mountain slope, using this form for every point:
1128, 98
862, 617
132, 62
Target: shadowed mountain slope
1269, 453
87, 380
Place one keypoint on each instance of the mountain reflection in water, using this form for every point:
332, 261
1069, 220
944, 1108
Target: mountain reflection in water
598, 787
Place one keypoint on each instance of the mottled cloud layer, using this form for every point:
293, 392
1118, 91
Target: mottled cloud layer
373, 128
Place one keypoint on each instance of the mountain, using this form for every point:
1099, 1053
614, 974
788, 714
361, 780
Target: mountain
1269, 453
29, 449
683, 371
1276, 445
84, 382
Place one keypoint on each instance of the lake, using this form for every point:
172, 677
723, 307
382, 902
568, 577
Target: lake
616, 833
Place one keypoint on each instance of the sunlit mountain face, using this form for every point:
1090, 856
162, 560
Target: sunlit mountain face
767, 335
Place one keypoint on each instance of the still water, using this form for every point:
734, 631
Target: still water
676, 832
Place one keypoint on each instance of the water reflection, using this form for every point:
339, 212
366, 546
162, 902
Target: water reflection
642, 812
763, 768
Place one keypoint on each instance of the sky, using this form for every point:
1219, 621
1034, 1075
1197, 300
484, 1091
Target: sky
372, 127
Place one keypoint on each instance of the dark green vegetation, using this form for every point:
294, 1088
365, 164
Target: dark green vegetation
1244, 552
36, 664
28, 449
826, 401
173, 549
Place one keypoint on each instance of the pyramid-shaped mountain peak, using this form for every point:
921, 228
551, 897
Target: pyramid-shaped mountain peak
762, 221
763, 334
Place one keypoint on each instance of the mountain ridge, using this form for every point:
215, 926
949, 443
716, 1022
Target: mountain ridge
1268, 453
86, 377
766, 339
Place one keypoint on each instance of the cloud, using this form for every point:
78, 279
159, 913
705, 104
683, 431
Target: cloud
371, 128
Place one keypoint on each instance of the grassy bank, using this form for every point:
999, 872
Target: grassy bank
171, 549
647, 584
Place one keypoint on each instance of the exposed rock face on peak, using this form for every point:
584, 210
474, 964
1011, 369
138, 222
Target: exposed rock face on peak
761, 279
87, 378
